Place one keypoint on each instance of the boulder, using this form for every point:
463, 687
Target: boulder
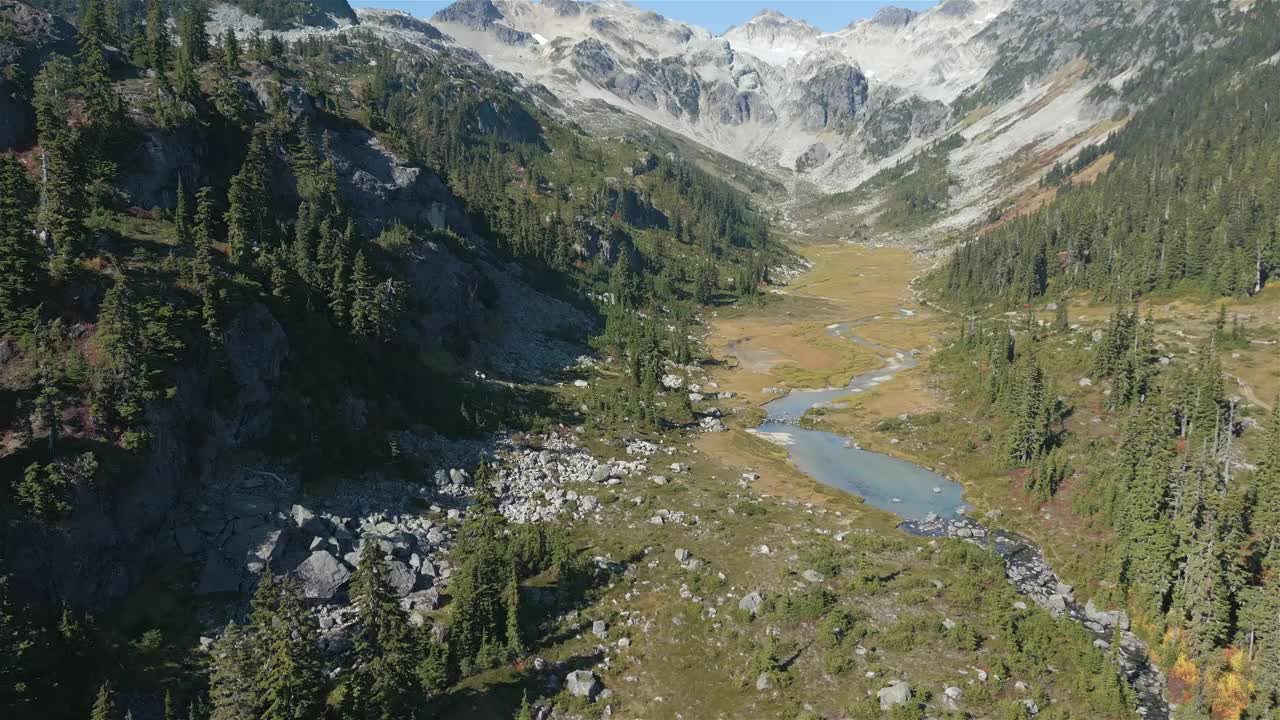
266, 549
600, 629
763, 682
583, 683
812, 576
307, 521
752, 602
899, 693
682, 555
603, 472
322, 575
401, 578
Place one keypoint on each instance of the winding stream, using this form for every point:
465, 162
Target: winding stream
933, 506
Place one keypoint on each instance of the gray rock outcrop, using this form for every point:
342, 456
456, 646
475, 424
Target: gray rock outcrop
583, 684
899, 693
322, 575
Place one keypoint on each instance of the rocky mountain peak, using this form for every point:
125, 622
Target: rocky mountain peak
894, 17
475, 14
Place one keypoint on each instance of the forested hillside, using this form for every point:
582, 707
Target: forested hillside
220, 248
1133, 431
1191, 201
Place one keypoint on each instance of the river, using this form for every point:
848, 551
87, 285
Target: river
931, 505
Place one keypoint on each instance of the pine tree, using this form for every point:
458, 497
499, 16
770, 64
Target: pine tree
247, 203
104, 705
381, 685
230, 52
62, 197
159, 44
290, 678
1206, 413
182, 216
1207, 599
102, 106
526, 713
1030, 431
202, 262
481, 587
365, 316
233, 689
1260, 624
1266, 489
185, 83
19, 256
192, 33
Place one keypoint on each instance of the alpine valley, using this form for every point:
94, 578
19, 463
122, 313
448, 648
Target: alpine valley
557, 359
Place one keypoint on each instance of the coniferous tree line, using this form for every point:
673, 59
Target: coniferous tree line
1191, 201
1195, 535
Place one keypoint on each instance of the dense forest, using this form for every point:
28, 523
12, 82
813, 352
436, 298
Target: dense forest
1187, 520
1190, 201
1191, 533
112, 309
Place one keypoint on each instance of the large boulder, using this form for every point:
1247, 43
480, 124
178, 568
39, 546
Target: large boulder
752, 602
322, 575
899, 693
401, 578
307, 521
583, 683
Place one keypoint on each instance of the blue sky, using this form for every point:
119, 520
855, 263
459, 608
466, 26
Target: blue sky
715, 15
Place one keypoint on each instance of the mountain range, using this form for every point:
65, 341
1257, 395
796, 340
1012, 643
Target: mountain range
1032, 81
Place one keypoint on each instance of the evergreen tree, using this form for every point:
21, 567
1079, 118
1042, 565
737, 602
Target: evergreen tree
481, 587
19, 255
159, 44
1031, 429
1260, 624
185, 83
192, 33
230, 52
62, 197
290, 677
381, 685
1266, 488
182, 216
526, 713
104, 705
233, 688
247, 208
103, 108
368, 318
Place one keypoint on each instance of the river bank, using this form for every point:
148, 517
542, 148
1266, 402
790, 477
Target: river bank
873, 285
